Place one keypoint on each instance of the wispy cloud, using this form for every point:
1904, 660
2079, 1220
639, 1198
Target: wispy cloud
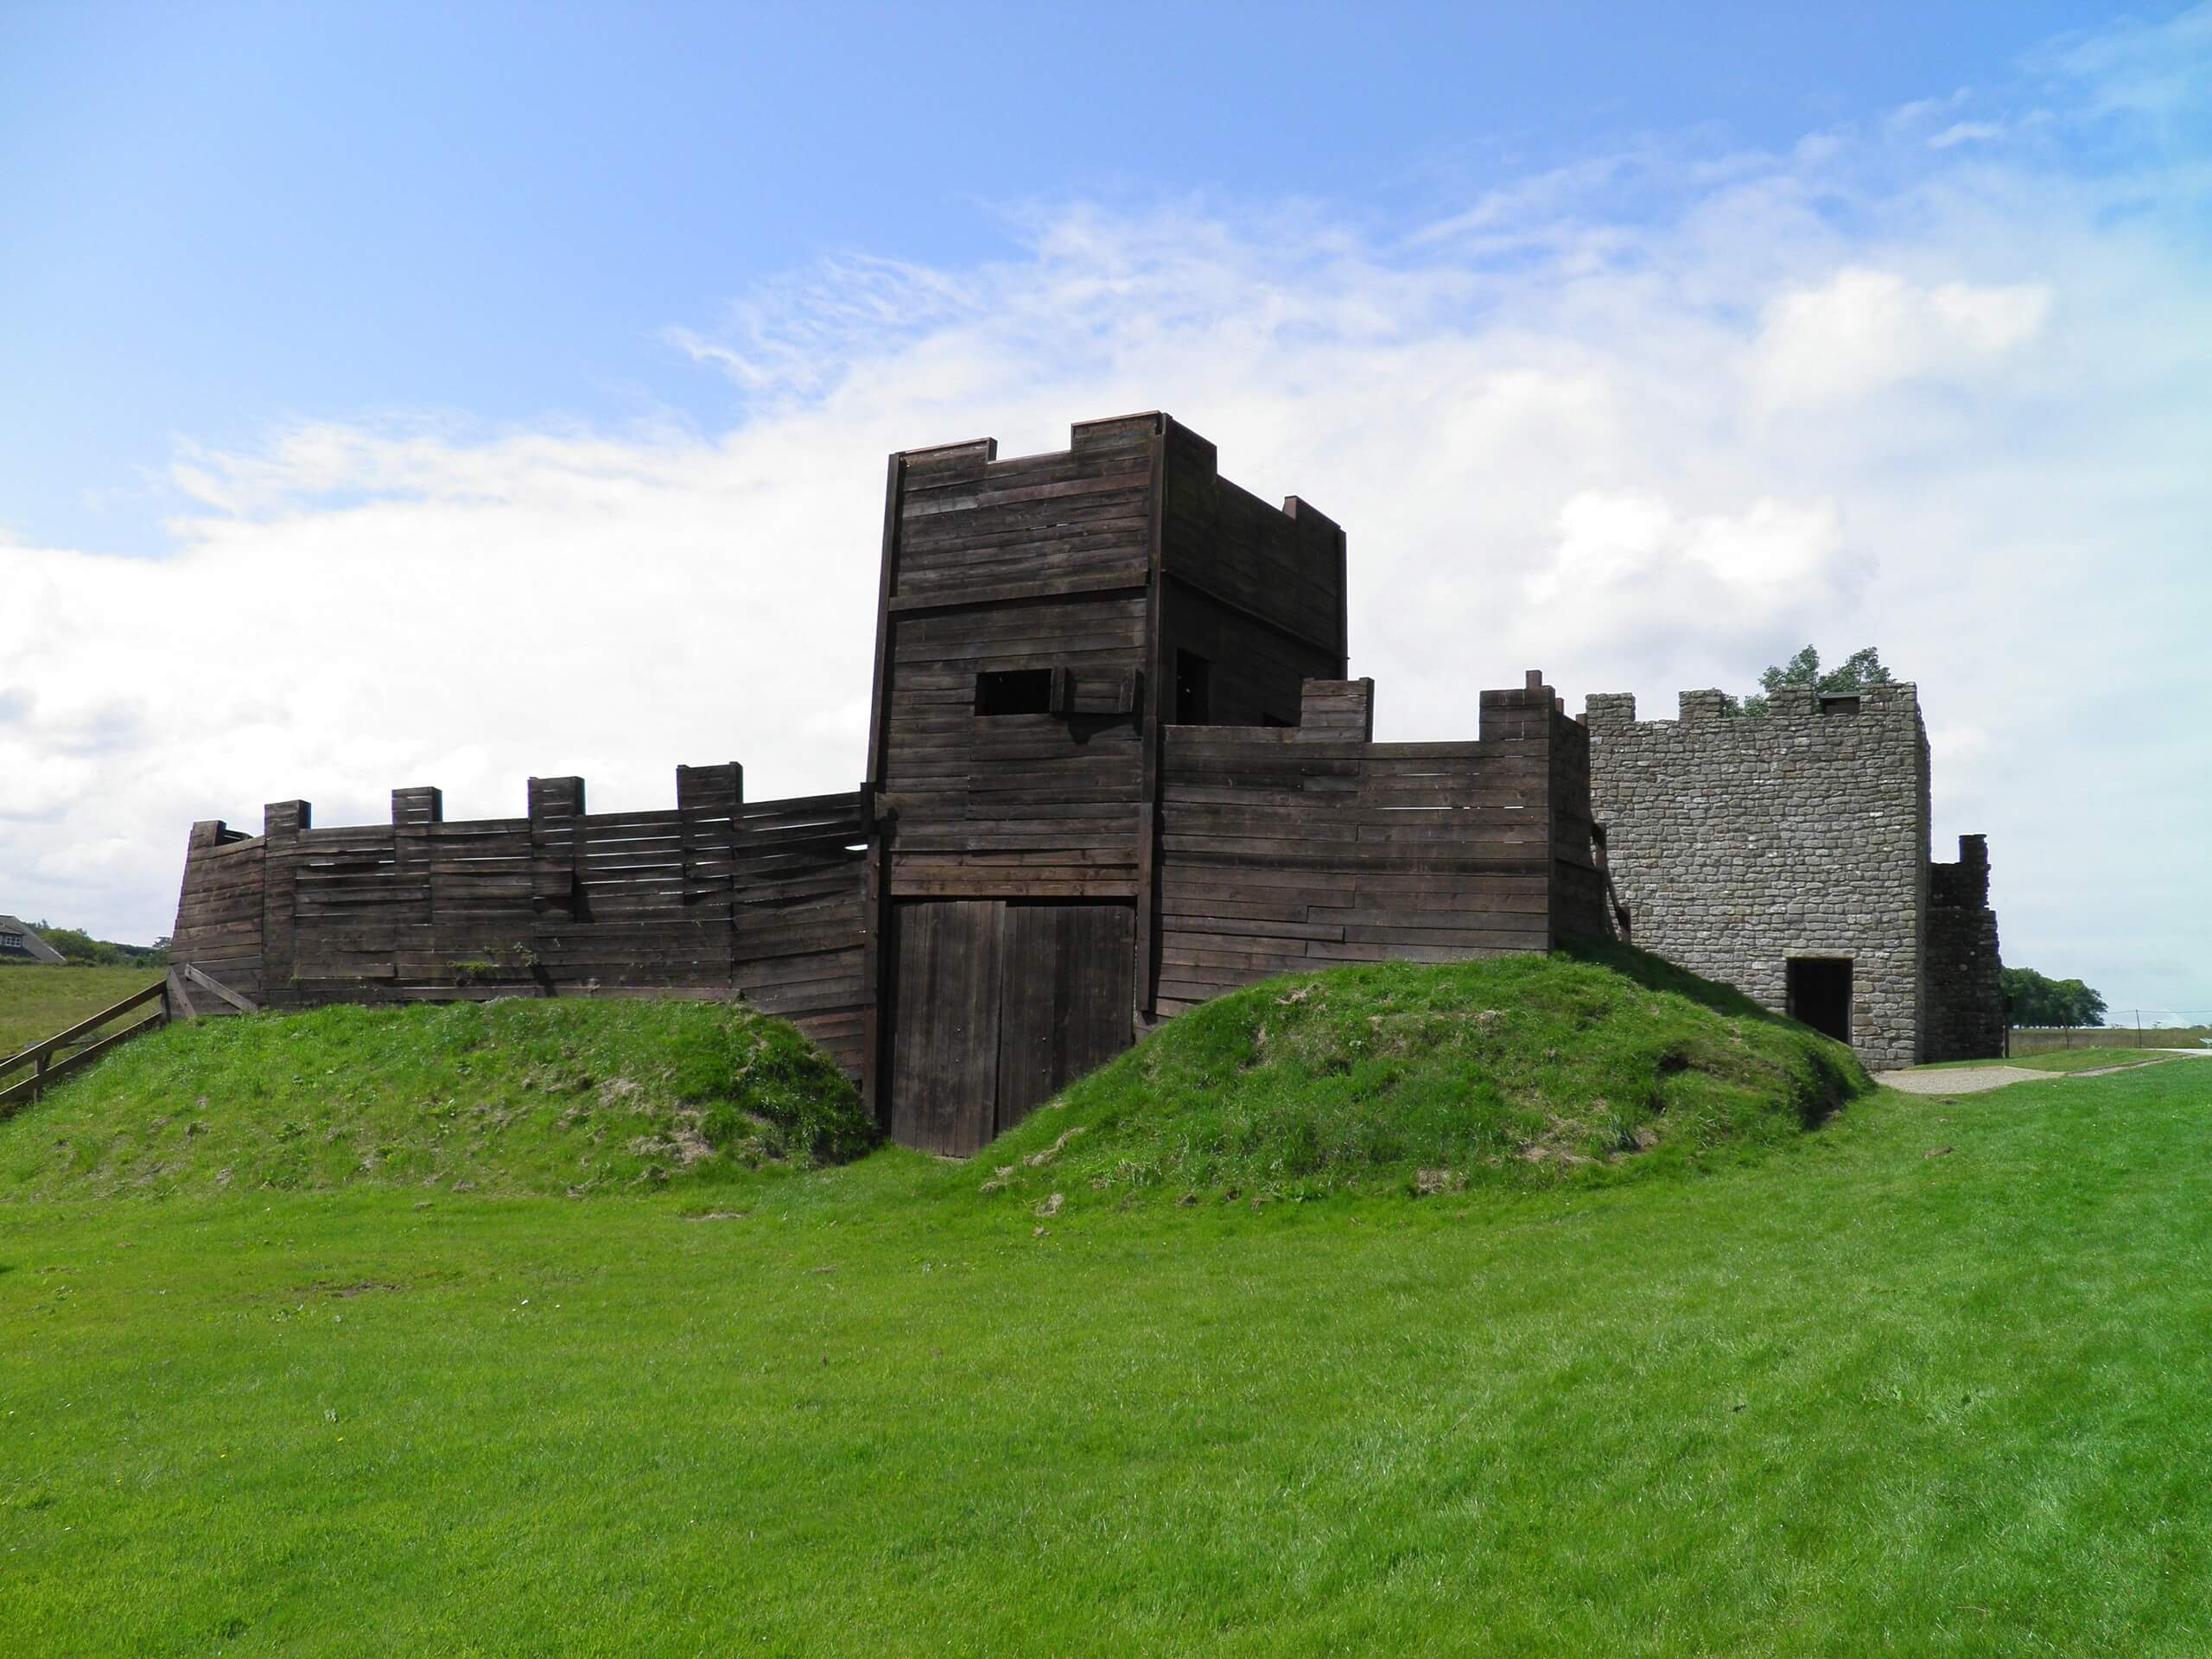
1965, 132
1648, 424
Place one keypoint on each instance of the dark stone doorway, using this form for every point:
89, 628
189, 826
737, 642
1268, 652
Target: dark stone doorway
1820, 994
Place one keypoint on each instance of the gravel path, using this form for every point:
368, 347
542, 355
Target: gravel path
1967, 1080
1980, 1079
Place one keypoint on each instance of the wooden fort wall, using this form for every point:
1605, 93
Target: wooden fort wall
1288, 850
715, 898
220, 917
1113, 768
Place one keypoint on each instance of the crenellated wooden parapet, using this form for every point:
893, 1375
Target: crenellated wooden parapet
713, 898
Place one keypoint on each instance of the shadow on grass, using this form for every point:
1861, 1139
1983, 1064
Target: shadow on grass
1657, 974
1838, 1076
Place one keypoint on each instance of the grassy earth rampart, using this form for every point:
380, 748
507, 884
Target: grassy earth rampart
1501, 1073
568, 1096
1925, 1382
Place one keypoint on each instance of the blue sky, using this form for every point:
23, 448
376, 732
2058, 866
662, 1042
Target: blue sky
226, 218
447, 394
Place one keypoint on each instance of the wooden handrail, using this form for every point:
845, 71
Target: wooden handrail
45, 1069
27, 1089
38, 1052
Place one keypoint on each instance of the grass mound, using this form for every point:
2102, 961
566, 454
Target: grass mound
524, 1096
1512, 1072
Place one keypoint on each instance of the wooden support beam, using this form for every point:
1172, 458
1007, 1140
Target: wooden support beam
209, 982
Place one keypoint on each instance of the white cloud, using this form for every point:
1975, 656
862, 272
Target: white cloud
39, 785
1865, 329
1772, 570
1865, 392
1965, 132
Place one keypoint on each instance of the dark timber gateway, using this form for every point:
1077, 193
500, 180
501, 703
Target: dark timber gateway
1113, 768
1116, 769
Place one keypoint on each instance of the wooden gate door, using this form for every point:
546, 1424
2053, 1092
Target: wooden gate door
1065, 1003
944, 1045
997, 1005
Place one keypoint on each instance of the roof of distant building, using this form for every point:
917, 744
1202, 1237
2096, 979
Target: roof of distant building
20, 938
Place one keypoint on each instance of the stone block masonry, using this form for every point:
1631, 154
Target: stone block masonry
1770, 851
1966, 1019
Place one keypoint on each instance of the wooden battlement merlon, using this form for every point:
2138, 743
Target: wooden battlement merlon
982, 451
1276, 566
1520, 714
709, 788
422, 804
1116, 430
557, 797
1337, 710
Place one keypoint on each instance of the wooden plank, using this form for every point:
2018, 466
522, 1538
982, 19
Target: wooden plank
65, 1038
946, 1023
1065, 1003
180, 1004
209, 982
1018, 471
21, 1094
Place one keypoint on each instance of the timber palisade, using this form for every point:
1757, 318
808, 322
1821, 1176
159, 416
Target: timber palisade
1114, 767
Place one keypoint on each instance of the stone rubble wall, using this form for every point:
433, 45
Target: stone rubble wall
1965, 994
1738, 842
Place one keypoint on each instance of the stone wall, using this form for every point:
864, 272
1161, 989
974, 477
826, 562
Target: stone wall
1739, 842
1966, 996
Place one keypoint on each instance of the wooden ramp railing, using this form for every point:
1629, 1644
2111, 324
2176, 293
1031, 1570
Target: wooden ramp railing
49, 1064
71, 1050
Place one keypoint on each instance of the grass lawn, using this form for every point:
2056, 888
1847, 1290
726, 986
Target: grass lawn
2031, 1040
37, 1000
2071, 1059
1847, 1397
565, 1097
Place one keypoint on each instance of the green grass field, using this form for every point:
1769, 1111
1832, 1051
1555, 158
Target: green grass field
2073, 1059
38, 1000
2033, 1041
1928, 1378
571, 1097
